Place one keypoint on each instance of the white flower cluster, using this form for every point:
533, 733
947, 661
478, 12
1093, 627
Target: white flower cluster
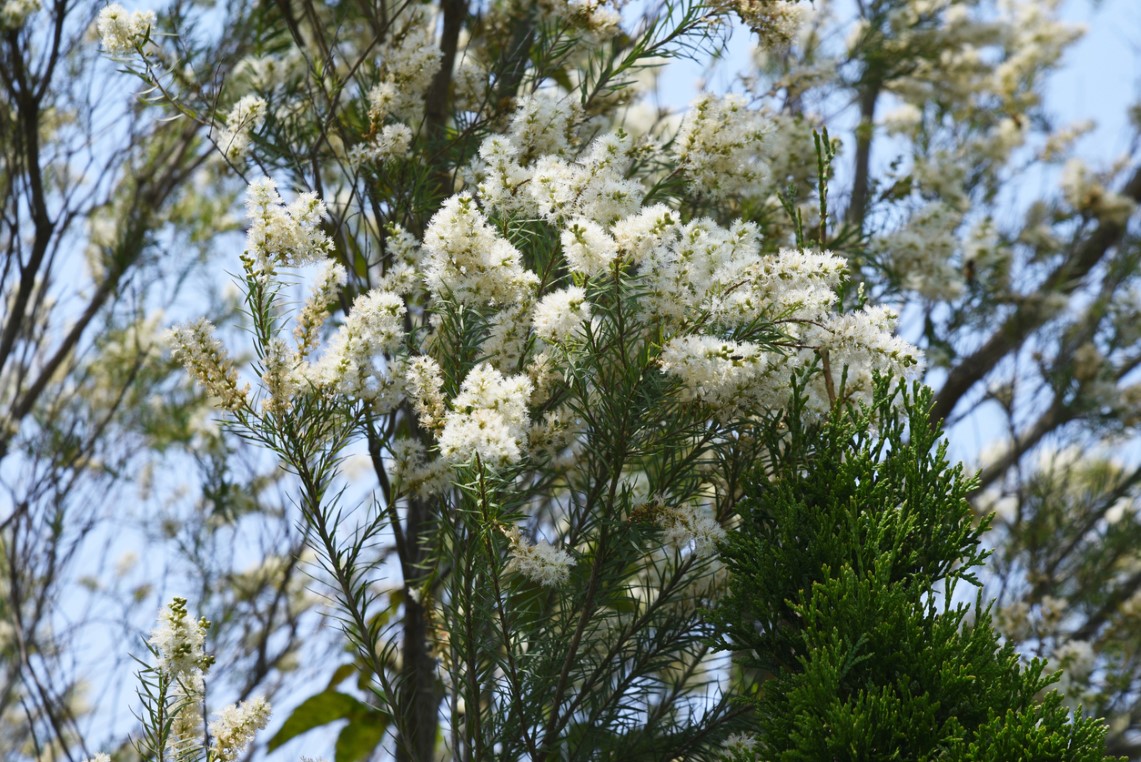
195, 347
289, 235
559, 316
415, 473
588, 248
426, 390
488, 418
859, 343
244, 119
374, 327
555, 437
719, 145
541, 563
704, 288
506, 342
280, 377
985, 77
180, 643
1035, 40
121, 31
591, 186
234, 729
270, 72
281, 234
1085, 193
903, 119
775, 21
403, 276
723, 374
703, 269
411, 60
596, 18
690, 525
739, 744
315, 312
469, 262
1076, 657
391, 142
544, 124
13, 13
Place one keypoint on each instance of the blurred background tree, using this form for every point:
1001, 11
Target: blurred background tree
115, 482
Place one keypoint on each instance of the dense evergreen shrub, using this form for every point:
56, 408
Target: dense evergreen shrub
845, 600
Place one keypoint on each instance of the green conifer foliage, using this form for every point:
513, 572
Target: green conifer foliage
842, 598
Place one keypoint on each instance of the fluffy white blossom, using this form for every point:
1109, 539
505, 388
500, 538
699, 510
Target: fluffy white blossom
425, 389
1087, 194
268, 72
195, 347
411, 60
699, 267
593, 187
871, 332
800, 284
244, 119
506, 342
704, 267
374, 327
559, 315
121, 30
512, 176
541, 563
283, 234
469, 262
922, 250
596, 18
414, 473
488, 418
100, 757
326, 287
544, 123
776, 22
280, 377
557, 432
856, 345
638, 234
722, 374
738, 744
903, 119
1076, 657
588, 248
403, 276
234, 728
690, 524
499, 176
179, 642
543, 370
391, 142
719, 145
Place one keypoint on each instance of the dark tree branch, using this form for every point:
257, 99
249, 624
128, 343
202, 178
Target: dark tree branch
1031, 314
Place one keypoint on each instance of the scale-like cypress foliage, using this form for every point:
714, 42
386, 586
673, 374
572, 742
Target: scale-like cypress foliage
842, 598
